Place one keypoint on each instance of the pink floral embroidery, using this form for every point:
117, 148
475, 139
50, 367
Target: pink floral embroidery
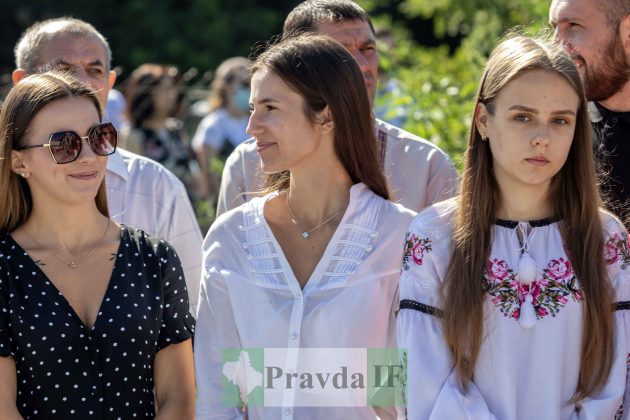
616, 249
559, 269
549, 291
415, 250
611, 252
497, 269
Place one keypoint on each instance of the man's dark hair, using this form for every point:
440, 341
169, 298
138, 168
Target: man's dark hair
307, 15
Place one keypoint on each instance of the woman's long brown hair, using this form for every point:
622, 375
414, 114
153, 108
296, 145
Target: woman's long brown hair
23, 102
575, 201
324, 73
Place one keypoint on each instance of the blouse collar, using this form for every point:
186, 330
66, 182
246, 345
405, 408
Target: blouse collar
512, 224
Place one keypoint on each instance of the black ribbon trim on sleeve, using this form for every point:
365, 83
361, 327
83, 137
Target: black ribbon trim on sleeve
621, 306
421, 307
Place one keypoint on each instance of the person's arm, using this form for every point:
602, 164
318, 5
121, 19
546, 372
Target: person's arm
610, 398
173, 368
8, 385
174, 379
433, 391
614, 395
179, 227
233, 183
216, 328
216, 331
8, 374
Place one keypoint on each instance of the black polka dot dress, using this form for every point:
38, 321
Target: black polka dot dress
67, 370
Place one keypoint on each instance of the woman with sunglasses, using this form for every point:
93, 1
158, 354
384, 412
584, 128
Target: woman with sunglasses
93, 315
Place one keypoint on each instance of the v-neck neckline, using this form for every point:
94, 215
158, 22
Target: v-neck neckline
115, 268
316, 275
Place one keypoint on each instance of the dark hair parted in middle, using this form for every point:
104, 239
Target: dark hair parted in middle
324, 73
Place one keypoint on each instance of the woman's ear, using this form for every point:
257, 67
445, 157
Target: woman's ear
18, 165
481, 116
325, 119
481, 120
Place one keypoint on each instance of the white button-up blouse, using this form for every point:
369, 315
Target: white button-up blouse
250, 297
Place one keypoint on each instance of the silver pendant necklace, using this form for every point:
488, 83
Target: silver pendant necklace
71, 264
307, 233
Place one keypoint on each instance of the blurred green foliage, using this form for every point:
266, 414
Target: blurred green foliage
185, 33
439, 85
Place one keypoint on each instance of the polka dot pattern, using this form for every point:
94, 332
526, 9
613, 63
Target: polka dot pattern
67, 370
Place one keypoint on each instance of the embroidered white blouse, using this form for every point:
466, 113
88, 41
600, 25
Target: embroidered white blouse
250, 298
521, 373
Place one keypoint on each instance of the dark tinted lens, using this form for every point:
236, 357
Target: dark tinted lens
65, 146
103, 139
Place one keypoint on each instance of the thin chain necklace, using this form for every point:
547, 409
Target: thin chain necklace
71, 264
307, 233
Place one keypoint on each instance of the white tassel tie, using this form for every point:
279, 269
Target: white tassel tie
526, 269
527, 316
526, 276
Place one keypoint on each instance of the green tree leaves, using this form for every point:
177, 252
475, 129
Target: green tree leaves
439, 85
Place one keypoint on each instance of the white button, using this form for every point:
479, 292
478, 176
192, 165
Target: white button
287, 411
294, 336
369, 248
374, 234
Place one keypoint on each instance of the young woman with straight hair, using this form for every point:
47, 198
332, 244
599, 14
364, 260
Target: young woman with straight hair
312, 263
514, 294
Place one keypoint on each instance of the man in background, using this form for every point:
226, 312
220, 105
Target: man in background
140, 192
597, 35
418, 172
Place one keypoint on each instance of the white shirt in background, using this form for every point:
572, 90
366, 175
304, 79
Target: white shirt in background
220, 127
417, 171
143, 194
115, 111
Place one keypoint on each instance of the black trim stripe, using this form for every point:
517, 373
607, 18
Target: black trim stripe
421, 307
511, 224
621, 306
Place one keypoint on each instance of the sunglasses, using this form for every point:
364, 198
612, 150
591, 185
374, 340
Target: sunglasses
66, 146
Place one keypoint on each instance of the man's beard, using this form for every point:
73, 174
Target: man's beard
607, 76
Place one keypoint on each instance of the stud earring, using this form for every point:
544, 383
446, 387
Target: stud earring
23, 174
